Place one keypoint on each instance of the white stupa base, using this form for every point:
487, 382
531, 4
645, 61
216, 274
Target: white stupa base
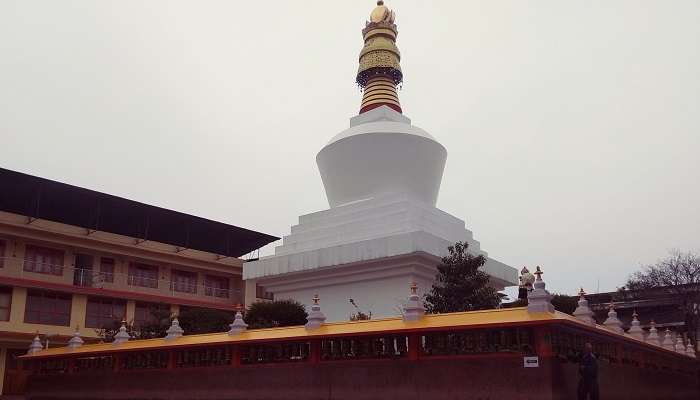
382, 177
369, 251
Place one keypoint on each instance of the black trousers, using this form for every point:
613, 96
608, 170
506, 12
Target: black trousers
588, 390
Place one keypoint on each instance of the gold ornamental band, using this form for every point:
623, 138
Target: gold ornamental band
372, 96
380, 101
379, 31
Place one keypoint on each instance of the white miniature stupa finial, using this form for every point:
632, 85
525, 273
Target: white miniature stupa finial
414, 309
175, 331
122, 336
667, 343
680, 346
316, 318
76, 341
690, 349
653, 336
583, 312
636, 330
35, 346
238, 325
612, 322
539, 299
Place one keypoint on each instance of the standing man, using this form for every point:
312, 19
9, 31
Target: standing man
588, 373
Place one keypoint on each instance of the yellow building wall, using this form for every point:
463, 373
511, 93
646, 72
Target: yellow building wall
3, 351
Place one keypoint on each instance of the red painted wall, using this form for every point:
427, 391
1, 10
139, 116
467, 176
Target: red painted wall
471, 378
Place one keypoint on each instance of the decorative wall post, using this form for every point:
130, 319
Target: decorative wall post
636, 330
690, 350
667, 343
414, 340
316, 318
543, 342
122, 336
653, 336
612, 322
76, 341
238, 325
35, 346
538, 300
175, 331
414, 309
583, 312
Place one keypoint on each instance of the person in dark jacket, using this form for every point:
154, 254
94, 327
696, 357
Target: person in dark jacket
588, 373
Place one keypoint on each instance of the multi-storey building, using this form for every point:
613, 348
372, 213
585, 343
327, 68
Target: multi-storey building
75, 258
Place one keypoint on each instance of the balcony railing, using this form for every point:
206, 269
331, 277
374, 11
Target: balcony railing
86, 277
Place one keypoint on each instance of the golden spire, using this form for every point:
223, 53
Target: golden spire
380, 72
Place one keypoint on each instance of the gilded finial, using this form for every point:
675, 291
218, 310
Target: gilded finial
414, 288
316, 299
539, 273
581, 292
380, 72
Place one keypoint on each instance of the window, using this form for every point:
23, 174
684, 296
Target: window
103, 312
48, 308
5, 302
261, 293
143, 275
151, 313
43, 260
183, 281
2, 253
216, 286
107, 269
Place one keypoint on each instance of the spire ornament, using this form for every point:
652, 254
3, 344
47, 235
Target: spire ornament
76, 341
583, 312
316, 318
539, 299
238, 325
667, 343
636, 330
380, 72
653, 336
122, 336
414, 309
612, 322
690, 350
175, 331
35, 346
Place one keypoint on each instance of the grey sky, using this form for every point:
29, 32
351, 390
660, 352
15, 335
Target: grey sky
572, 127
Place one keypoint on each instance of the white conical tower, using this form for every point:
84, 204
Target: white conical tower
35, 346
636, 330
76, 341
175, 331
316, 318
583, 312
238, 325
539, 299
690, 350
653, 336
414, 309
667, 343
612, 322
122, 336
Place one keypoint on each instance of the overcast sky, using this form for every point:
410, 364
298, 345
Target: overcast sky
572, 127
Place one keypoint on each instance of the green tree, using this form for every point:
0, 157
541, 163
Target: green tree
275, 313
564, 303
460, 285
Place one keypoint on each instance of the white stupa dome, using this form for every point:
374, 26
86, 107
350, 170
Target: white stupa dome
381, 154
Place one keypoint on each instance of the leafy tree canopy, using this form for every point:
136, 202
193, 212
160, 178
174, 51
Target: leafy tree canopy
460, 285
678, 268
275, 313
